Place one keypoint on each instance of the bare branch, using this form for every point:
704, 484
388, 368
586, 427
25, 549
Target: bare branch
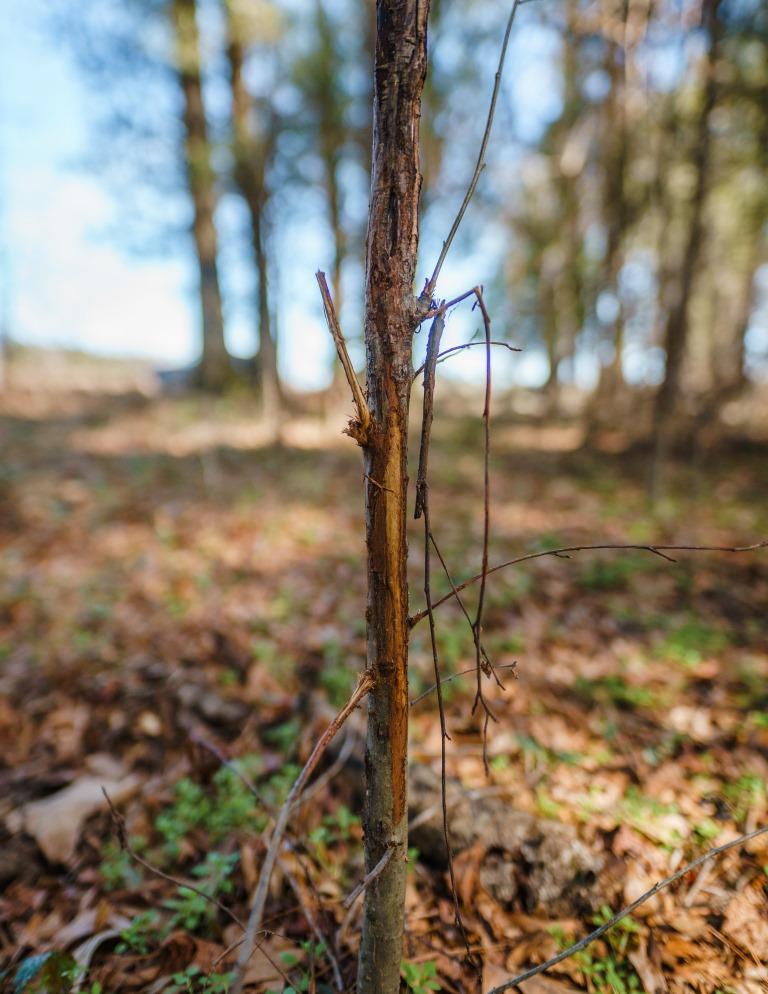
478, 624
359, 431
657, 550
464, 611
367, 880
259, 900
430, 365
598, 932
429, 289
456, 676
422, 508
460, 348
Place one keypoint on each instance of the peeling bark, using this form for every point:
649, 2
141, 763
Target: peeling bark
391, 312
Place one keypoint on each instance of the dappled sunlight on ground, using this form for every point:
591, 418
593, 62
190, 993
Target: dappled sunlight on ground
167, 572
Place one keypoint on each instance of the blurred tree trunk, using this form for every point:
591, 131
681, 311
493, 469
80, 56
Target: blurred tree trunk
567, 156
391, 314
615, 210
333, 134
251, 152
677, 324
215, 367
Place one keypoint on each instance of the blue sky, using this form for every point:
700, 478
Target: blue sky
64, 279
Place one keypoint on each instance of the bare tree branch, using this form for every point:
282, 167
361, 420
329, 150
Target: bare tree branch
460, 348
598, 932
367, 880
455, 676
422, 507
429, 367
657, 550
478, 623
359, 431
429, 289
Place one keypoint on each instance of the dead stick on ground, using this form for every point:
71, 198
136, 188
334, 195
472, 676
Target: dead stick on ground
583, 943
363, 414
314, 925
657, 550
260, 897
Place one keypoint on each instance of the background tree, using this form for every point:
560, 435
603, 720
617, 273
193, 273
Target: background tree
215, 368
255, 130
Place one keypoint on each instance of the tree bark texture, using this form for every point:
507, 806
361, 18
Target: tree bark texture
215, 368
391, 314
250, 153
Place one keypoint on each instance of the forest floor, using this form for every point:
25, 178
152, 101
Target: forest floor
182, 605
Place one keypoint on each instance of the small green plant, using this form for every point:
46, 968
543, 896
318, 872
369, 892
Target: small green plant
194, 981
420, 978
744, 794
609, 972
137, 937
611, 574
229, 807
191, 910
691, 642
313, 951
117, 867
614, 689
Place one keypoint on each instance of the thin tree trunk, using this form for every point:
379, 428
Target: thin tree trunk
677, 324
390, 317
215, 366
250, 176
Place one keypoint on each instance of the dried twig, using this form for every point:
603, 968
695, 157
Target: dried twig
422, 508
598, 932
367, 880
122, 839
429, 289
478, 623
460, 348
455, 676
315, 926
658, 550
430, 364
259, 900
488, 666
359, 430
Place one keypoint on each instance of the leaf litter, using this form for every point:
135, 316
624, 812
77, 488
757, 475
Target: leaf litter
181, 614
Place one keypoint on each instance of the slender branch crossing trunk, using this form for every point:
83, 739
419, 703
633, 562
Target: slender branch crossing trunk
391, 313
215, 368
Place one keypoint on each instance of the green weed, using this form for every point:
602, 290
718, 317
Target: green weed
691, 642
137, 937
420, 978
190, 909
616, 690
611, 973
